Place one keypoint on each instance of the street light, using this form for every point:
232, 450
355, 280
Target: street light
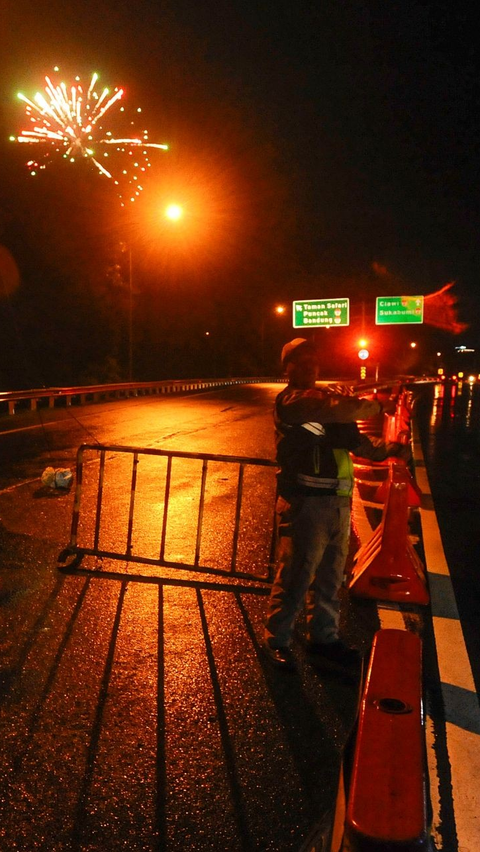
173, 212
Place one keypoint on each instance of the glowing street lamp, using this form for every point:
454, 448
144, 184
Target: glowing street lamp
174, 212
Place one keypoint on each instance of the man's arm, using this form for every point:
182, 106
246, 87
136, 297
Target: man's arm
313, 404
375, 449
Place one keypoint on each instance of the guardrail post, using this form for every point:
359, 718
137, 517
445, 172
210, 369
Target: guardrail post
11, 406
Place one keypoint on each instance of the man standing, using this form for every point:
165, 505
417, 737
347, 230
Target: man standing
315, 432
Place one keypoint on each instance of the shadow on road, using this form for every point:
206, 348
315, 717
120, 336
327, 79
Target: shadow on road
141, 714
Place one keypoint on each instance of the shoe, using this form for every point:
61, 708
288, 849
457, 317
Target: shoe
282, 658
336, 653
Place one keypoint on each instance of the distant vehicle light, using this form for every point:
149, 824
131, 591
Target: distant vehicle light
472, 379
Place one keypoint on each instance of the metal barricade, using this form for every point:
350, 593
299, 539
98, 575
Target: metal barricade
99, 518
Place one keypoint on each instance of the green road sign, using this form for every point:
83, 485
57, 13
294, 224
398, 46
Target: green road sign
317, 312
394, 310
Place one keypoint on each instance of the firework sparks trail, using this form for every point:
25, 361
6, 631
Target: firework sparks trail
67, 122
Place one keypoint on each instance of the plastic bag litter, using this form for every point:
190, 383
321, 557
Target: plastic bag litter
60, 477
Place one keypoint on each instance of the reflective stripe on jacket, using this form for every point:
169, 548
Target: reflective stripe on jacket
314, 456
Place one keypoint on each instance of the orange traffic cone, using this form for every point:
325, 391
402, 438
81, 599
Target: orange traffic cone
387, 567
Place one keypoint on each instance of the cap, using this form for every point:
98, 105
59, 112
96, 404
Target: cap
290, 350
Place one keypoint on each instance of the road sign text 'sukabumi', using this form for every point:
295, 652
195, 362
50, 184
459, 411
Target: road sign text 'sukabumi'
317, 312
395, 310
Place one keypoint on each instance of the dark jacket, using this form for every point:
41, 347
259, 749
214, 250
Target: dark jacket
315, 433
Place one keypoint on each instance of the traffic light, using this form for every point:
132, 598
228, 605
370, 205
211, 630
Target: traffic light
363, 353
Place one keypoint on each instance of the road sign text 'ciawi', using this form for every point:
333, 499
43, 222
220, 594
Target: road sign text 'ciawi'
396, 310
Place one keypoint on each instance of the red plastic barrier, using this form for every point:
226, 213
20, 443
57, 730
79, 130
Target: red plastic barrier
403, 416
390, 428
399, 473
396, 427
382, 472
387, 567
387, 804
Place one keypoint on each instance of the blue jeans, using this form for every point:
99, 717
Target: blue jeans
311, 570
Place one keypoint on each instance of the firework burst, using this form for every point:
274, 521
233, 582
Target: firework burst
69, 122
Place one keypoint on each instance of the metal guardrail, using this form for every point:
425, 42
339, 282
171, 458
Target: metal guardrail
9, 400
96, 532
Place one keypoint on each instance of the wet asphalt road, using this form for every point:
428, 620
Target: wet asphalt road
136, 709
449, 421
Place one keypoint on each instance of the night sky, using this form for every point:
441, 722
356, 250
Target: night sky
324, 149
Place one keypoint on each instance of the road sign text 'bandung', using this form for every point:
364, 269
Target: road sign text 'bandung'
321, 312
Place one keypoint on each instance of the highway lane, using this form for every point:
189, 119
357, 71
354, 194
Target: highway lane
214, 422
141, 715
449, 422
137, 713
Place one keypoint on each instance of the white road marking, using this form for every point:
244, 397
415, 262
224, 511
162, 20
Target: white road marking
20, 429
19, 485
391, 618
459, 695
460, 699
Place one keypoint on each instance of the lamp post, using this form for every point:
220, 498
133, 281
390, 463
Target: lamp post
173, 212
130, 316
278, 310
126, 248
